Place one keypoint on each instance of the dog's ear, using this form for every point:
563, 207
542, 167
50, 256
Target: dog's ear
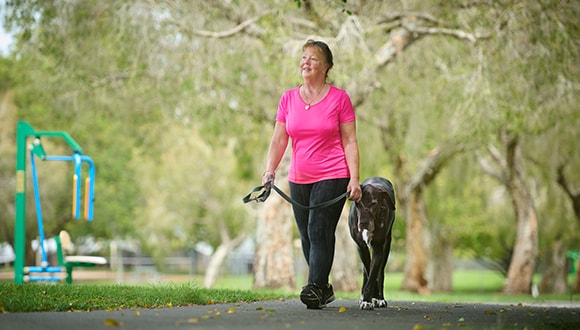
388, 196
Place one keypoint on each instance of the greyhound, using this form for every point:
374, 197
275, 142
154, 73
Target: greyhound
371, 222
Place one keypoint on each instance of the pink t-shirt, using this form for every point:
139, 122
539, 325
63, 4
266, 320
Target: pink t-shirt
317, 151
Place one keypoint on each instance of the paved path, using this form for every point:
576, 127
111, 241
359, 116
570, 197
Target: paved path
291, 314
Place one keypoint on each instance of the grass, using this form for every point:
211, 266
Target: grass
469, 286
33, 297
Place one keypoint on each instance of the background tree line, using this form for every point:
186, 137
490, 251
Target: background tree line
469, 106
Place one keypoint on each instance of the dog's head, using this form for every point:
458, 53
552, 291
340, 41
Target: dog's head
372, 211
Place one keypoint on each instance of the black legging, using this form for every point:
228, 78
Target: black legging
317, 227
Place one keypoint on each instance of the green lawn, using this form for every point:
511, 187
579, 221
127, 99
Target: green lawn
469, 286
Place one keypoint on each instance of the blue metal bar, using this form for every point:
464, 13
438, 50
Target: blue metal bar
91, 197
41, 278
39, 269
78, 169
38, 209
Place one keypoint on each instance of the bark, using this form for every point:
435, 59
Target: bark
525, 251
575, 199
274, 257
554, 277
441, 269
347, 269
574, 196
410, 197
417, 244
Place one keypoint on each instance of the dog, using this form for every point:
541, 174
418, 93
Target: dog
371, 222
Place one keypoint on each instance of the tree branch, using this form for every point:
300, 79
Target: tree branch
221, 34
459, 34
433, 164
490, 170
575, 197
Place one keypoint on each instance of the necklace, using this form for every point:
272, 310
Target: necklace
308, 104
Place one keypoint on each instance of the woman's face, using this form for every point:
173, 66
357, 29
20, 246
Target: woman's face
313, 64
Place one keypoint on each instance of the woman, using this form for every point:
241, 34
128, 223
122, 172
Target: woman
320, 120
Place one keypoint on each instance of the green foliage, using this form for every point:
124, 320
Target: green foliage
6, 80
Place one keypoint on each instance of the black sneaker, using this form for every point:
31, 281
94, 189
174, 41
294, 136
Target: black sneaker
328, 296
316, 298
311, 296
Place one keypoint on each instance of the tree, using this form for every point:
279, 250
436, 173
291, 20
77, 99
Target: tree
522, 71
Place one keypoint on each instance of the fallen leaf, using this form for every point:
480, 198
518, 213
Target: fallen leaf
489, 313
426, 317
342, 310
461, 319
418, 327
137, 313
259, 308
192, 320
231, 311
111, 323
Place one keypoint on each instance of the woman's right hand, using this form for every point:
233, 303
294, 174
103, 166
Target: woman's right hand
268, 176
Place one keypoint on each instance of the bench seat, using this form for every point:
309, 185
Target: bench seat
63, 242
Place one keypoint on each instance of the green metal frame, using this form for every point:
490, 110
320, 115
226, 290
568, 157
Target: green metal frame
23, 132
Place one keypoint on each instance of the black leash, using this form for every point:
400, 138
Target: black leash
261, 193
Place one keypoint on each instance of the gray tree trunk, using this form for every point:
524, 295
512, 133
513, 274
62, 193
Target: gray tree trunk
554, 277
219, 256
510, 173
417, 243
347, 268
274, 257
441, 267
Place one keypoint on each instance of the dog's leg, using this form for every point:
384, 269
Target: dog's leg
376, 263
364, 254
381, 302
365, 257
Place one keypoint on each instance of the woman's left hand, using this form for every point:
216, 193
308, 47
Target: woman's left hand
355, 194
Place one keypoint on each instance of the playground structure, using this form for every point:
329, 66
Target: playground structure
24, 273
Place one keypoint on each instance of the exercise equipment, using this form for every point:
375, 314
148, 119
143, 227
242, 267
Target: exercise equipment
24, 132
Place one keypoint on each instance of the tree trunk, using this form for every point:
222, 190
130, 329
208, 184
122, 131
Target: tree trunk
347, 268
441, 266
274, 258
417, 242
523, 262
219, 256
575, 199
554, 277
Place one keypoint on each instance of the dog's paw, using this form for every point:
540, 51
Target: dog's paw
365, 305
379, 303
